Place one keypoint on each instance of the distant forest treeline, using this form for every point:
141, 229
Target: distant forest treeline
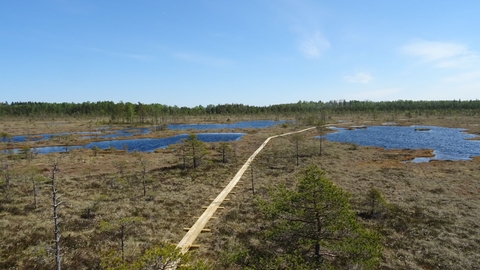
130, 112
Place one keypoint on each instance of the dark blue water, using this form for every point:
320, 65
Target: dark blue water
86, 134
447, 143
247, 124
140, 131
145, 145
117, 133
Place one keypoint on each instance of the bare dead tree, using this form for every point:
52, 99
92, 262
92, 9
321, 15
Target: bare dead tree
55, 205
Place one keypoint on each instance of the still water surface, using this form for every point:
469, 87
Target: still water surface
145, 145
246, 124
447, 143
105, 133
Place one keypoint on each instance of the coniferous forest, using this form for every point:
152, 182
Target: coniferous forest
139, 112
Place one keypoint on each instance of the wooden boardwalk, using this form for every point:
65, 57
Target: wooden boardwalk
187, 241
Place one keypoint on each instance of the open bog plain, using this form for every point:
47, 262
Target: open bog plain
120, 202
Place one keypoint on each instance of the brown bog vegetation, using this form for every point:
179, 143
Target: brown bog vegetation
118, 204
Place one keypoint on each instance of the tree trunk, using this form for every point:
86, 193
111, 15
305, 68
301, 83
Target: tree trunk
321, 141
55, 220
194, 156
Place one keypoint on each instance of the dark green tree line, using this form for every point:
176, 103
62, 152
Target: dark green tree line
130, 112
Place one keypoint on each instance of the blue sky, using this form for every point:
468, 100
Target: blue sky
261, 52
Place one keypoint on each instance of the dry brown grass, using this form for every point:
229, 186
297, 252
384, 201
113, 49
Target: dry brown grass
434, 223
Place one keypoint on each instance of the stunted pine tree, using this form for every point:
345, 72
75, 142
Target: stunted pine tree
5, 136
314, 227
95, 150
194, 149
225, 149
375, 204
297, 139
33, 175
120, 228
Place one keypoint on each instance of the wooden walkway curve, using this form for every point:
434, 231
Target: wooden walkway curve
196, 229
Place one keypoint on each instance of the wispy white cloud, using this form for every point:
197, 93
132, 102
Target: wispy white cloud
360, 77
457, 62
313, 45
463, 77
304, 20
431, 50
202, 59
440, 54
375, 95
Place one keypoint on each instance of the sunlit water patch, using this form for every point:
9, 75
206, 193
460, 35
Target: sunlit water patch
84, 134
143, 145
246, 124
105, 133
447, 143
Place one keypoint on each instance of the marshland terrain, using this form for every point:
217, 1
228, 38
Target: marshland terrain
432, 220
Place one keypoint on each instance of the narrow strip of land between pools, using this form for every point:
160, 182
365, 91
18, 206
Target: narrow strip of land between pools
196, 229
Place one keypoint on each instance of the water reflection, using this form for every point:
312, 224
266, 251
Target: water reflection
104, 133
246, 124
447, 143
144, 145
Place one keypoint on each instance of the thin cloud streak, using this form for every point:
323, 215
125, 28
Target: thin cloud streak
441, 54
463, 77
458, 62
314, 45
305, 22
360, 77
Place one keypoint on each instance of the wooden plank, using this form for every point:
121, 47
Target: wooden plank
187, 241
